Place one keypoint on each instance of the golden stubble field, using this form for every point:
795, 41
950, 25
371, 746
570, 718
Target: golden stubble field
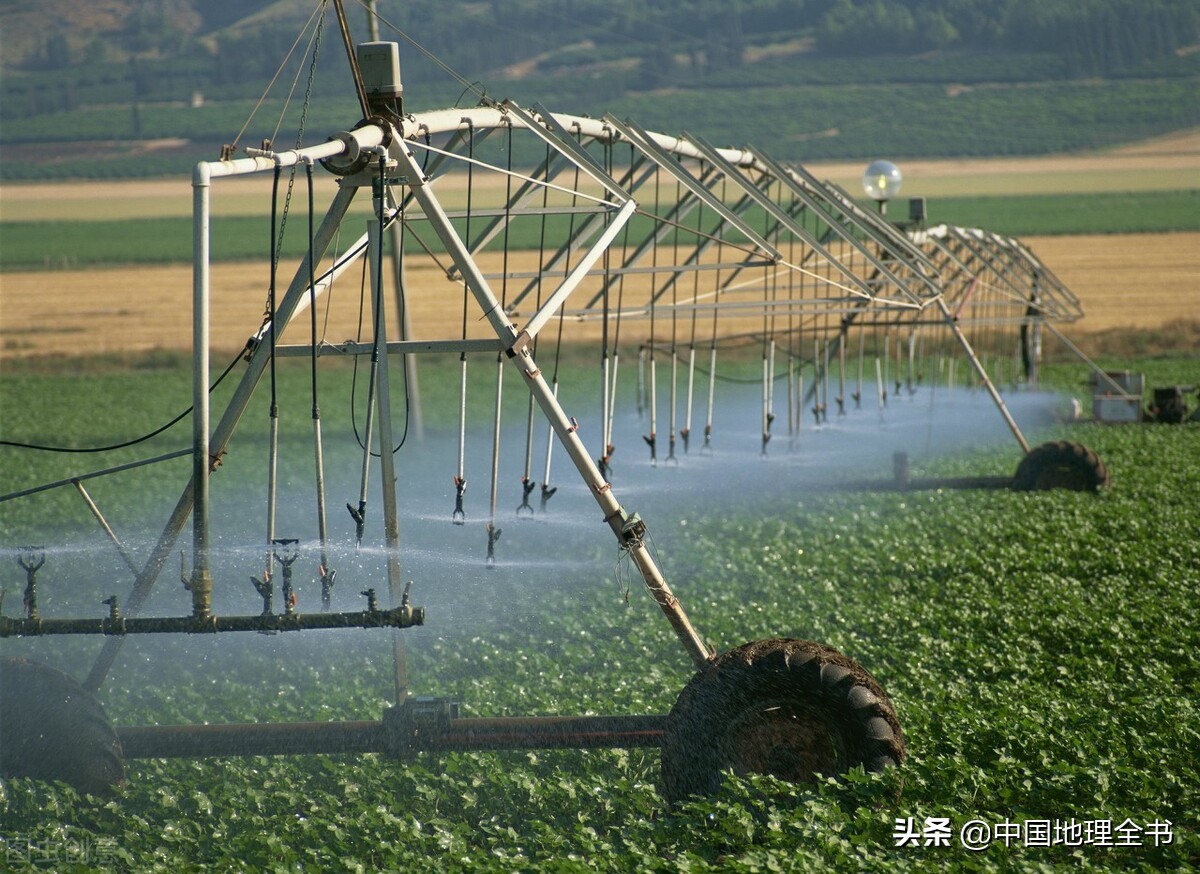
1128, 281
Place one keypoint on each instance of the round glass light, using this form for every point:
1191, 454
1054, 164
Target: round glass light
882, 180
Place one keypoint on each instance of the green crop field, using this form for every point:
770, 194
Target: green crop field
1045, 215
1041, 650
837, 120
28, 245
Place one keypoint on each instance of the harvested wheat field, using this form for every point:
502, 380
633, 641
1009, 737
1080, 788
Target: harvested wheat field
1142, 281
1128, 281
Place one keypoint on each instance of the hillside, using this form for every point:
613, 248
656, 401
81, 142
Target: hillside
666, 38
150, 86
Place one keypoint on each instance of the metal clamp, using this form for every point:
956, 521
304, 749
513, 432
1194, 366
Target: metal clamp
418, 718
633, 532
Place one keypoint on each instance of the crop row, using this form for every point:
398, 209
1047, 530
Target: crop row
1040, 649
792, 121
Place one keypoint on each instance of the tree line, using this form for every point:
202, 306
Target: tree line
1093, 36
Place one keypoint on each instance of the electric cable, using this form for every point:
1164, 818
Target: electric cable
16, 444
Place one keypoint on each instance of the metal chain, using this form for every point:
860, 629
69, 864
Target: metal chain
312, 72
287, 201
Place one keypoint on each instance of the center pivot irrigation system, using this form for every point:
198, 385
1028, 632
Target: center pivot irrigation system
549, 225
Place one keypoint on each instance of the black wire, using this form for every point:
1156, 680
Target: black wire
362, 286
274, 412
403, 303
471, 87
312, 291
41, 448
462, 80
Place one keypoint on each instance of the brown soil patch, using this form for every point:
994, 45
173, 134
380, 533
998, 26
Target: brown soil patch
1184, 142
1132, 281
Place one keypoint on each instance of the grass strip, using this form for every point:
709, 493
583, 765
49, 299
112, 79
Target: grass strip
62, 245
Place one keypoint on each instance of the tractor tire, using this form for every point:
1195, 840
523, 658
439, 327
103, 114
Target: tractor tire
1060, 465
51, 728
794, 709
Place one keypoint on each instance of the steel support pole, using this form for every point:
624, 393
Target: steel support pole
412, 385
112, 535
387, 462
144, 584
982, 374
1113, 385
375, 736
628, 529
201, 580
372, 21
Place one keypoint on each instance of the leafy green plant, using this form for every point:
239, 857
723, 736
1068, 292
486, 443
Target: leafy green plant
1040, 649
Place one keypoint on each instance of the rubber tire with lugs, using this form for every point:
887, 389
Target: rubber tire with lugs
1061, 464
51, 728
790, 708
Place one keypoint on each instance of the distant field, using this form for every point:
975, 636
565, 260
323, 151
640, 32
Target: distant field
64, 244
1165, 163
1168, 163
1123, 212
809, 121
1144, 280
1125, 281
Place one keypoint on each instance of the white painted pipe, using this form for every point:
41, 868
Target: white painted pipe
347, 142
442, 121
201, 582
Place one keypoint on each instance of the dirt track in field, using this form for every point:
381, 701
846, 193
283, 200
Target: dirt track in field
1128, 281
